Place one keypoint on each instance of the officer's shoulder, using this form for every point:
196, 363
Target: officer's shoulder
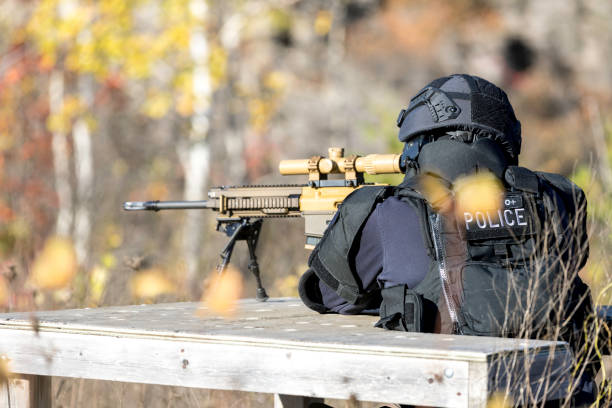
367, 194
395, 204
533, 181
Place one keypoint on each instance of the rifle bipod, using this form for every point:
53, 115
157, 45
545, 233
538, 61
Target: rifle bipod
243, 230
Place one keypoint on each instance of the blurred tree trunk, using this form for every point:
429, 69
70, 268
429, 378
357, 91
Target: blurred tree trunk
61, 157
195, 153
601, 147
232, 134
335, 76
84, 172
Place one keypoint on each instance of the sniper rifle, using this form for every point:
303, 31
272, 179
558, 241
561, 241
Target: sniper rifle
241, 209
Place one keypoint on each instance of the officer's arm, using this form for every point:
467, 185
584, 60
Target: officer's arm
366, 262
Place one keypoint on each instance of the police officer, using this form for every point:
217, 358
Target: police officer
453, 126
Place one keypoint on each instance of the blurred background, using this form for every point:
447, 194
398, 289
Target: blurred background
107, 101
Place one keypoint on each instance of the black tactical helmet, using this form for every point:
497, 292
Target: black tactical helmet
462, 102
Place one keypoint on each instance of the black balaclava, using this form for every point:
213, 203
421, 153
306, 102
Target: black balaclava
451, 159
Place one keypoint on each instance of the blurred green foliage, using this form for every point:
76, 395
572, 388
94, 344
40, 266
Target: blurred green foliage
599, 194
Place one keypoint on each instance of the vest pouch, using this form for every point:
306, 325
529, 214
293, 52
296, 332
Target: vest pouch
401, 309
505, 301
517, 251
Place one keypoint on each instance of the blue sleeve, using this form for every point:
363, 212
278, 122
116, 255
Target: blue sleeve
405, 259
390, 251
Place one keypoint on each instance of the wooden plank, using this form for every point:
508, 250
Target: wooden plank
12, 391
278, 321
529, 378
478, 392
26, 391
236, 366
276, 347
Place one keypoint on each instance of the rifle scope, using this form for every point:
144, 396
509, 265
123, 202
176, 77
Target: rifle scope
337, 163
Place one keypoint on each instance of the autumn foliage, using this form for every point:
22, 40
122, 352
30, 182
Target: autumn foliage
109, 101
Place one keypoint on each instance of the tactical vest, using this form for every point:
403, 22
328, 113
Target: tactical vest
511, 274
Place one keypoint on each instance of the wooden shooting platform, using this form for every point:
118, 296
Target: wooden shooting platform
278, 347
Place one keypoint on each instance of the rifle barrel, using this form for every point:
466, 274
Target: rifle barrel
165, 205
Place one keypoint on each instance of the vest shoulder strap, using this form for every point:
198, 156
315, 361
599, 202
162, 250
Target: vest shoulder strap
408, 191
330, 258
522, 178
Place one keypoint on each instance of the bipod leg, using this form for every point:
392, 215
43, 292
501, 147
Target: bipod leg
251, 239
226, 254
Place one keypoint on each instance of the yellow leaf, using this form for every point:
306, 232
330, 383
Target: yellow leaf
179, 35
4, 292
72, 106
287, 285
222, 291
157, 190
217, 61
137, 65
84, 58
184, 82
20, 228
260, 113
157, 105
108, 260
478, 192
69, 28
436, 193
151, 283
112, 47
280, 19
499, 400
323, 22
47, 61
5, 372
184, 105
57, 123
55, 266
7, 141
48, 49
114, 239
275, 80
97, 283
113, 7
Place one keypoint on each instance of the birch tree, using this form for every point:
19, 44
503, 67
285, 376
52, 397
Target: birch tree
84, 172
61, 157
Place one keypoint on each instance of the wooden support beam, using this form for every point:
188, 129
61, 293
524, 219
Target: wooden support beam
294, 401
26, 391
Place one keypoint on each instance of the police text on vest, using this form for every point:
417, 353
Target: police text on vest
500, 219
